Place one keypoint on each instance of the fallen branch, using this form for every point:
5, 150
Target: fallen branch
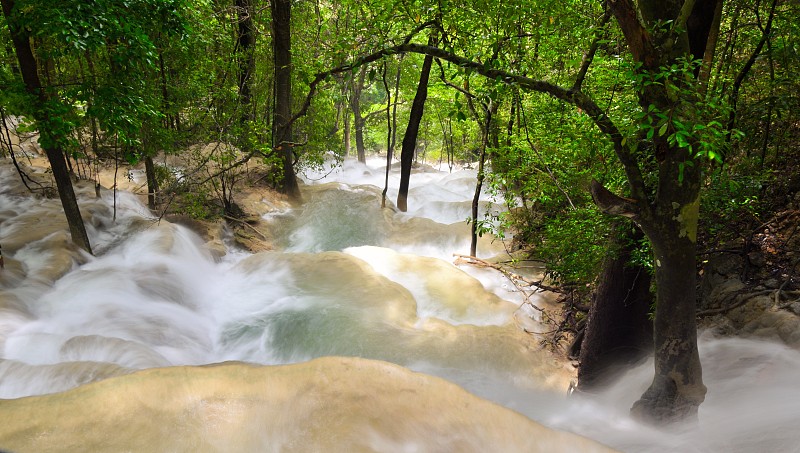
243, 223
467, 259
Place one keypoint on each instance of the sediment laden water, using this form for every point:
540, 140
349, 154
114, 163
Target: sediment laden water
352, 280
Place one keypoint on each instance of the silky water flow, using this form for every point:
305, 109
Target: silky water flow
369, 329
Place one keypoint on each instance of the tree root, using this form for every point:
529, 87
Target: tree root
523, 285
742, 298
243, 223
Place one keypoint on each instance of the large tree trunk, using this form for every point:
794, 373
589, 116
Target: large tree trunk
58, 164
670, 224
412, 130
618, 331
669, 219
677, 388
282, 129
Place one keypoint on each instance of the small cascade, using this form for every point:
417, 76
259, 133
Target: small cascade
350, 336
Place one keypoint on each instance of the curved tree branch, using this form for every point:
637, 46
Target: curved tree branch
613, 204
586, 104
589, 55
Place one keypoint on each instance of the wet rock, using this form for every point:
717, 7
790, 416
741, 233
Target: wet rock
721, 271
329, 404
756, 259
12, 274
719, 325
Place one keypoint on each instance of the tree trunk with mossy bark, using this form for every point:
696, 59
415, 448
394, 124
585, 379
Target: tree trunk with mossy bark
661, 36
677, 389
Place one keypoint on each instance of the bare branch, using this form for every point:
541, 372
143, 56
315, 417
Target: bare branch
589, 55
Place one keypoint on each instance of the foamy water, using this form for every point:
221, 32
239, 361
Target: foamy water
356, 281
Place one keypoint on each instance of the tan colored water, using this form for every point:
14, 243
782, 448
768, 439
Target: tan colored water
330, 404
97, 332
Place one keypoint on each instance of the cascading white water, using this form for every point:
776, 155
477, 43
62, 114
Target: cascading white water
354, 280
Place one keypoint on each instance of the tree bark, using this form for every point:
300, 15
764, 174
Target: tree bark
347, 145
677, 388
412, 130
476, 197
58, 164
152, 182
358, 120
618, 331
282, 127
245, 53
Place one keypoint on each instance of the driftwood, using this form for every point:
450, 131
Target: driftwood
243, 223
474, 261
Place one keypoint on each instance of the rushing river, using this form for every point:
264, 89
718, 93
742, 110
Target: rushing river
349, 280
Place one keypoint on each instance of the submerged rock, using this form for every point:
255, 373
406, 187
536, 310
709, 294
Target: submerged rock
331, 404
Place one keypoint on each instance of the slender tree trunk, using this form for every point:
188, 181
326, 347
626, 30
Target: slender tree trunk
282, 129
490, 112
152, 182
710, 48
392, 125
476, 198
358, 120
737, 83
618, 331
245, 46
770, 106
347, 145
58, 164
412, 130
388, 134
396, 99
346, 82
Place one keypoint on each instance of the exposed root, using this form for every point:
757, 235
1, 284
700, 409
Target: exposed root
245, 224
